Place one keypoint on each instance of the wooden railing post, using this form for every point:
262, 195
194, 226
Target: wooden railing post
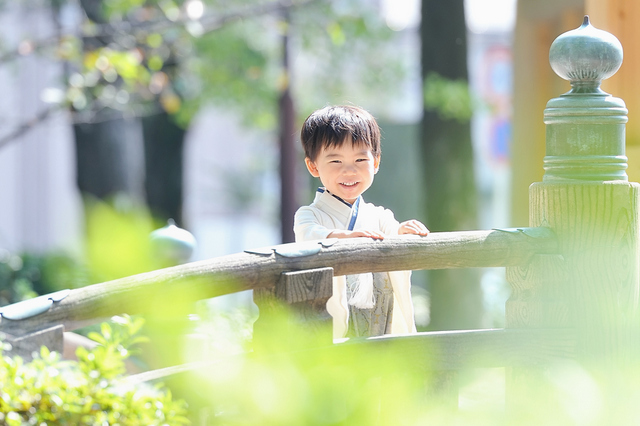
24, 342
586, 199
306, 293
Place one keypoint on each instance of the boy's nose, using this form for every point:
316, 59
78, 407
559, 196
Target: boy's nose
349, 169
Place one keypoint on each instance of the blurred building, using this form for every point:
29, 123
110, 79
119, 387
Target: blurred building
40, 208
490, 43
231, 185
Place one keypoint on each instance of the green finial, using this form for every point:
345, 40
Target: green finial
585, 126
585, 56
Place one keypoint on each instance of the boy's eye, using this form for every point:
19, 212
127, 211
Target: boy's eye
362, 159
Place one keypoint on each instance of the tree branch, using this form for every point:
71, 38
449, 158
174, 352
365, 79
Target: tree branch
211, 22
28, 125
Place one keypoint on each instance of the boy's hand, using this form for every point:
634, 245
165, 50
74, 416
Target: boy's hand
376, 235
413, 227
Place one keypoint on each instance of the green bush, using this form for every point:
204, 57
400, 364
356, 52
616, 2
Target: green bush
27, 275
90, 391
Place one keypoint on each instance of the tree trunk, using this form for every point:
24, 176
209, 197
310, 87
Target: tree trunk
109, 158
109, 150
456, 297
288, 157
163, 142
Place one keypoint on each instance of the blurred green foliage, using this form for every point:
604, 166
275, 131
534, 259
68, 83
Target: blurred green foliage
284, 376
450, 99
90, 391
26, 275
273, 385
117, 240
287, 377
117, 245
180, 55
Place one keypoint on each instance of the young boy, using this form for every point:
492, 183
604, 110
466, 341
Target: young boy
342, 148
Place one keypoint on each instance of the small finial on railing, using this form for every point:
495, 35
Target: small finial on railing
585, 126
172, 245
585, 56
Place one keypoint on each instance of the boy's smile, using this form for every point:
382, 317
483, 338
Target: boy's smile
346, 171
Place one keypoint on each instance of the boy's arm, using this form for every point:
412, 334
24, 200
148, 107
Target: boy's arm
391, 226
356, 233
413, 227
306, 227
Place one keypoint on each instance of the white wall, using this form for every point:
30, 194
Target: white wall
231, 200
39, 206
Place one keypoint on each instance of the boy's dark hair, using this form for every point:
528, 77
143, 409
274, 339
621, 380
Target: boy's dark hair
333, 125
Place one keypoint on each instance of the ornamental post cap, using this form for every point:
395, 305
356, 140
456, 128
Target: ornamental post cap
172, 245
585, 134
585, 56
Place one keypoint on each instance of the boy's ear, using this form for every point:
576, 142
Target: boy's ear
376, 164
311, 166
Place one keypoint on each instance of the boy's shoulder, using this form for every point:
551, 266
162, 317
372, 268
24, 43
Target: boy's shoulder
312, 209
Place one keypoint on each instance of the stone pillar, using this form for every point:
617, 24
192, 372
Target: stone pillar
586, 199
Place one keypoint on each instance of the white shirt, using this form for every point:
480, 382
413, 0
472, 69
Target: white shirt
327, 213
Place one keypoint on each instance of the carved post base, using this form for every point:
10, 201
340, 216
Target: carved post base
591, 288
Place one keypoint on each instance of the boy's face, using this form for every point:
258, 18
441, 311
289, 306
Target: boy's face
346, 171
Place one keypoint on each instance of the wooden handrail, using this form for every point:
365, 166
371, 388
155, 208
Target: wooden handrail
489, 348
430, 351
244, 271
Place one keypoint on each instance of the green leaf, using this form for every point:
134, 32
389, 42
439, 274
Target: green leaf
105, 329
97, 337
336, 33
44, 352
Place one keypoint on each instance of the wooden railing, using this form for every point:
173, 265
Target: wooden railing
263, 269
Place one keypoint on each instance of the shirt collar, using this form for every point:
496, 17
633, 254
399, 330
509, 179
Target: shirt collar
323, 190
344, 211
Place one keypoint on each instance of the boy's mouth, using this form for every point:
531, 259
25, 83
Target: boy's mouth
349, 183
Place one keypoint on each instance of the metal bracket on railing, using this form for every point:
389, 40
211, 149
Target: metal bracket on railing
32, 307
306, 248
532, 232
